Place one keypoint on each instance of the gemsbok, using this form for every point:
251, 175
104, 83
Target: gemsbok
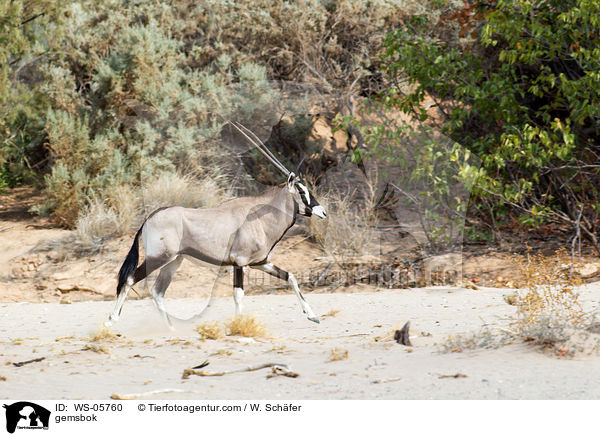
241, 233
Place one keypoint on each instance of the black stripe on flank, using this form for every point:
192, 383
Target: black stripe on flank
156, 211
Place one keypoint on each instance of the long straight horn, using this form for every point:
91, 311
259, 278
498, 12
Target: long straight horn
255, 140
258, 141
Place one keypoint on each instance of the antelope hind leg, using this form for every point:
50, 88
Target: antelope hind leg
160, 287
114, 316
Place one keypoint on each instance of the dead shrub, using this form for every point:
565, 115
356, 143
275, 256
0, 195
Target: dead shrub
548, 314
549, 307
210, 330
350, 227
557, 270
124, 209
246, 325
176, 190
97, 222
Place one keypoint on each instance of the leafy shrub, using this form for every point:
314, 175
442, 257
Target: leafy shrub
515, 83
114, 93
142, 113
25, 29
429, 177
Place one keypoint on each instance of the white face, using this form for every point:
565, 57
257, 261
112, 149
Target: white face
307, 205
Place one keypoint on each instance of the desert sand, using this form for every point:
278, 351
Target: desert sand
147, 357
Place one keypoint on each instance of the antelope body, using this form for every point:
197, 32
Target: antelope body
241, 233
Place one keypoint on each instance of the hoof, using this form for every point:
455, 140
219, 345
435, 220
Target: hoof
108, 323
315, 319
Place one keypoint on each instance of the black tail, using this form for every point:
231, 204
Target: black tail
130, 263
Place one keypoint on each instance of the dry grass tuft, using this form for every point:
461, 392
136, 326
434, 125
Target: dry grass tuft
210, 330
246, 325
96, 222
332, 313
346, 215
549, 307
175, 190
485, 338
123, 209
101, 349
338, 354
104, 334
279, 349
221, 352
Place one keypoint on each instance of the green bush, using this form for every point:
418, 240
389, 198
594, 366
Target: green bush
24, 35
142, 113
117, 93
516, 83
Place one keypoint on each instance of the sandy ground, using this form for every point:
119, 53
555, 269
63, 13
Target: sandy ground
148, 357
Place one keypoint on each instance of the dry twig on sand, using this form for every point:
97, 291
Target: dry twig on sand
278, 369
27, 362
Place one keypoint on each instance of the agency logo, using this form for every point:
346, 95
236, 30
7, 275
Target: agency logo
26, 415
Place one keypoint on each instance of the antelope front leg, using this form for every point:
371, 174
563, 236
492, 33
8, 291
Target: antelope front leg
269, 268
238, 288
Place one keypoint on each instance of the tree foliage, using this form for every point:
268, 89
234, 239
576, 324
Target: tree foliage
517, 83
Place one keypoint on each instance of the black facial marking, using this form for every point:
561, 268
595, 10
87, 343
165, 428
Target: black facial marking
304, 196
308, 204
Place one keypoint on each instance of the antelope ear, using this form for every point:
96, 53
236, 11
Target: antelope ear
299, 165
291, 182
